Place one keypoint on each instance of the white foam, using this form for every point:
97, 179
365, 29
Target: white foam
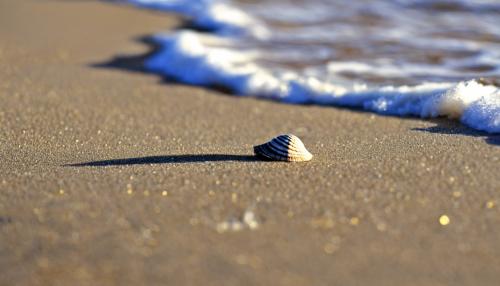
219, 59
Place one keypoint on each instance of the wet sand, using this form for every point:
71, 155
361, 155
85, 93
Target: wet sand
111, 176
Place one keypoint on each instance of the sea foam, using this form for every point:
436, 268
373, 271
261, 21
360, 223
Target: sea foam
232, 56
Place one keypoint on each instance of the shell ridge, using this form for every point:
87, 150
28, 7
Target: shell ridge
272, 154
290, 144
261, 150
286, 139
278, 150
280, 144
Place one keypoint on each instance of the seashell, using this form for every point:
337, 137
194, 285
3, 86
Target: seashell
284, 148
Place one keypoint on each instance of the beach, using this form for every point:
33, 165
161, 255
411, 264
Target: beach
113, 176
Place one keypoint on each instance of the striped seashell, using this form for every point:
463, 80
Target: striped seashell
284, 148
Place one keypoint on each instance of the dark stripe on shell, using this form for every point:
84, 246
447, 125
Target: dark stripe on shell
287, 143
263, 150
277, 150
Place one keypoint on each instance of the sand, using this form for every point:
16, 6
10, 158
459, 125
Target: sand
112, 176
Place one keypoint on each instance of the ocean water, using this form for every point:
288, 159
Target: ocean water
399, 57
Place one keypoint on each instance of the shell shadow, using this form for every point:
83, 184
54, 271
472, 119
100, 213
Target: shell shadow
445, 126
171, 159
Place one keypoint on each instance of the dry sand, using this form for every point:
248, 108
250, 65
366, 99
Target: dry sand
365, 211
